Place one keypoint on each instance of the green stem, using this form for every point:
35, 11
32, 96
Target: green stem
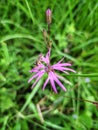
85, 75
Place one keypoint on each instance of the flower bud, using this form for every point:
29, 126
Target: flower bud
45, 33
50, 44
48, 16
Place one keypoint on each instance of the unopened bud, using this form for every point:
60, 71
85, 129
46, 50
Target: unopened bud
45, 33
48, 16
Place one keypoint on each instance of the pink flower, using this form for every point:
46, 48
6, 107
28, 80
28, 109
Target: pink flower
43, 66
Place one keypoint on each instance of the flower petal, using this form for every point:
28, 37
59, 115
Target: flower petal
63, 79
37, 68
46, 82
46, 59
35, 75
62, 68
70, 70
58, 82
52, 82
48, 56
60, 60
61, 64
39, 77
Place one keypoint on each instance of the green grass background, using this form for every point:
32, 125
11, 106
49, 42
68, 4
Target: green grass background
74, 32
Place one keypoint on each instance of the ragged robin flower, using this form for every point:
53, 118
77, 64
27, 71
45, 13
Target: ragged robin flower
43, 66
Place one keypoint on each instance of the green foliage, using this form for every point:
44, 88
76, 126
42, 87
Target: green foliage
74, 32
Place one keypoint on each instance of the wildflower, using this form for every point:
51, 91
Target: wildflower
87, 80
43, 66
75, 116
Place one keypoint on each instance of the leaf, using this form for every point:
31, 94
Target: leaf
6, 100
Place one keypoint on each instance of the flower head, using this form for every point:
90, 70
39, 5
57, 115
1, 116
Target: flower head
43, 66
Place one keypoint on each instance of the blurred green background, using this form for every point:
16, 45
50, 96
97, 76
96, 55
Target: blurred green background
74, 32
